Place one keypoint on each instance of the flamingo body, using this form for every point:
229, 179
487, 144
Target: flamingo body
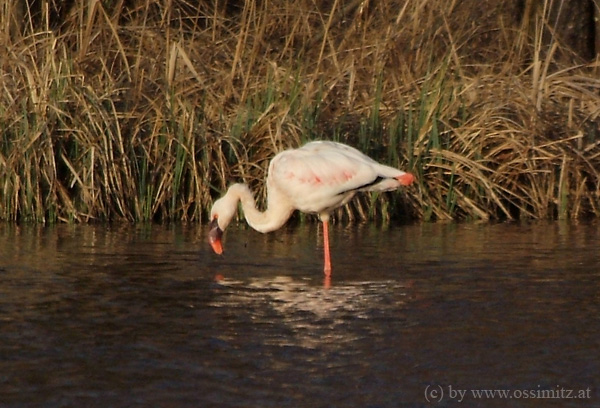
315, 178
321, 176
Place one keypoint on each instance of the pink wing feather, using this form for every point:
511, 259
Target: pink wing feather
322, 175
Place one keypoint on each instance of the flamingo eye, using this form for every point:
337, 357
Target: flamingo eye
214, 224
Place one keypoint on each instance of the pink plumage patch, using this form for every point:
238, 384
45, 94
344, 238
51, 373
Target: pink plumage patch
406, 179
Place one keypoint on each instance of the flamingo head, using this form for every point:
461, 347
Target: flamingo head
214, 236
221, 215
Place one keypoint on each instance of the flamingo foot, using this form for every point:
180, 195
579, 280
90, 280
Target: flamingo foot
327, 282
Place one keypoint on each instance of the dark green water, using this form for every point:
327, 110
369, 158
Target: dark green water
415, 316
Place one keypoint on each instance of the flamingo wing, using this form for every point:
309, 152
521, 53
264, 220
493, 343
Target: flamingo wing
323, 175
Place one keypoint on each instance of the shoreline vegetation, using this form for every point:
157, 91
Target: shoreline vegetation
147, 111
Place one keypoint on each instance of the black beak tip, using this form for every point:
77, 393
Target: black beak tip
214, 236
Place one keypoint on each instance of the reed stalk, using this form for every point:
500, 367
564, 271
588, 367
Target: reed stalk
146, 111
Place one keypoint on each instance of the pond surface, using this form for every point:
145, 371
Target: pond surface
504, 315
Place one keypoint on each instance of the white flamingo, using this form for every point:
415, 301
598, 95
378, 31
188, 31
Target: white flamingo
316, 178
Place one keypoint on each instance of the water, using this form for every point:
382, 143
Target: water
415, 316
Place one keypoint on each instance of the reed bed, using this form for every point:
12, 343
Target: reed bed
148, 110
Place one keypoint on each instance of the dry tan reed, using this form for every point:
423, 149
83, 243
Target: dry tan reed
148, 110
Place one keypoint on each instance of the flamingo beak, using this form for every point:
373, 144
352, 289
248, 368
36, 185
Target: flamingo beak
406, 179
214, 236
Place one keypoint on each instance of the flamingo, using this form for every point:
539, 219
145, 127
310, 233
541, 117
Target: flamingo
315, 178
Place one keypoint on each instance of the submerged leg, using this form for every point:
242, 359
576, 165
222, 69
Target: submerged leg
327, 267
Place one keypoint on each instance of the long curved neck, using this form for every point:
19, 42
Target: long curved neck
276, 214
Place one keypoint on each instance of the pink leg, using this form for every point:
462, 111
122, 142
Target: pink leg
327, 268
